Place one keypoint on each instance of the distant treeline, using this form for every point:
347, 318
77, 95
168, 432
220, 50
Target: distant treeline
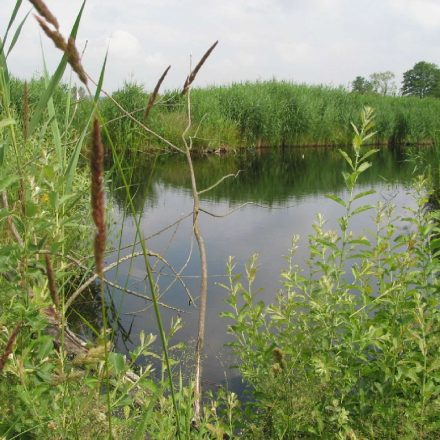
268, 113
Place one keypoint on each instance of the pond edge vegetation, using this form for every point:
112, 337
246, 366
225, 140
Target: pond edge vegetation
365, 359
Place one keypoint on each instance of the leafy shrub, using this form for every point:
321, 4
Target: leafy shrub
350, 348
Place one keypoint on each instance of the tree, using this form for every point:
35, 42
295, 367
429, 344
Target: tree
383, 83
361, 85
422, 80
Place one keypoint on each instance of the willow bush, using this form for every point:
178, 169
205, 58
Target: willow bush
350, 348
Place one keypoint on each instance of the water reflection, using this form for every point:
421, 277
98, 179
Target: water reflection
289, 187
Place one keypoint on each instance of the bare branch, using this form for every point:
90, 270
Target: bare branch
219, 182
93, 278
212, 214
139, 295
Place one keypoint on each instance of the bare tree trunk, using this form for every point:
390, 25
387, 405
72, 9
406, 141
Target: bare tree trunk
203, 293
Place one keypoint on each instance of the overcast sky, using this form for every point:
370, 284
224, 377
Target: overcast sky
307, 41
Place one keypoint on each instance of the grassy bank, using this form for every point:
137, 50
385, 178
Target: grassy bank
270, 113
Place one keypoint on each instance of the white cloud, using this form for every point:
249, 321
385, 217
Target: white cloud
425, 12
315, 41
124, 45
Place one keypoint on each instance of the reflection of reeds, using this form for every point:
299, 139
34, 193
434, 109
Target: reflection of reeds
97, 196
153, 96
44, 11
68, 47
51, 283
192, 76
9, 345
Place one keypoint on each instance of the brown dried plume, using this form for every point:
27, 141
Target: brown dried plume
8, 349
54, 35
75, 60
44, 11
51, 283
97, 196
192, 76
68, 47
153, 96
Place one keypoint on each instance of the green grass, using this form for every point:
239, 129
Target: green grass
281, 114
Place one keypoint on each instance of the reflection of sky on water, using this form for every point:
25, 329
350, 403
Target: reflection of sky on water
252, 229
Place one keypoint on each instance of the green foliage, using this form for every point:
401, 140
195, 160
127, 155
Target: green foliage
383, 83
361, 85
272, 113
350, 347
422, 80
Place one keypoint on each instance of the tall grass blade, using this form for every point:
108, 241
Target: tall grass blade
11, 21
52, 115
56, 78
17, 34
73, 161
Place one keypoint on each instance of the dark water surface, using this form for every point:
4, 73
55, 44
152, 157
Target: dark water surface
286, 189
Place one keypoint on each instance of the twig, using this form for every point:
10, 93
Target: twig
219, 182
139, 295
155, 234
116, 263
212, 214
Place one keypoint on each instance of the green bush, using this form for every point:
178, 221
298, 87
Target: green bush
350, 348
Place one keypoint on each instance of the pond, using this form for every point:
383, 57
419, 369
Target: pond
277, 194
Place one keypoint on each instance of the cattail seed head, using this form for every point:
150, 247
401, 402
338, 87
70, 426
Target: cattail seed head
75, 60
153, 96
97, 196
44, 11
54, 35
51, 283
192, 76
8, 349
69, 49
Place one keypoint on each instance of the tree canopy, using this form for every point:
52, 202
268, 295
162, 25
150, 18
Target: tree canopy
381, 83
422, 80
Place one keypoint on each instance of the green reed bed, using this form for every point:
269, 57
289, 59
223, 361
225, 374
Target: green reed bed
267, 113
275, 113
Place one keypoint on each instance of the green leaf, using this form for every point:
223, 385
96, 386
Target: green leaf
363, 194
336, 199
6, 122
117, 362
363, 166
17, 34
362, 208
346, 157
368, 154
